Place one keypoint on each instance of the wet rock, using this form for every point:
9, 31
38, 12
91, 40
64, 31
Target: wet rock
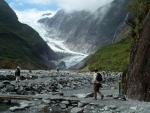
6, 82
47, 101
77, 110
33, 77
15, 108
21, 91
22, 77
83, 95
93, 108
56, 109
58, 93
109, 95
2, 85
82, 104
107, 112
123, 98
106, 108
2, 77
133, 108
10, 77
89, 95
116, 97
65, 102
10, 88
22, 106
43, 108
63, 106
112, 107
26, 104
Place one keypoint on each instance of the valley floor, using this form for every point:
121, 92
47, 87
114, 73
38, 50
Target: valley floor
66, 92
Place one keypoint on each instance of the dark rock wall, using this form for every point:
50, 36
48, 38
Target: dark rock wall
139, 70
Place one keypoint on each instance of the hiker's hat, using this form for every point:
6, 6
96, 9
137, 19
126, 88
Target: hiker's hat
18, 67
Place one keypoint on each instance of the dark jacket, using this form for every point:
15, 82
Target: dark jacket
17, 72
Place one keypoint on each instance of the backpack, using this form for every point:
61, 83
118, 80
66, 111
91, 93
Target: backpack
99, 77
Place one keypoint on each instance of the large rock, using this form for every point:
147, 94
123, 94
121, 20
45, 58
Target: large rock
10, 88
10, 77
2, 77
6, 82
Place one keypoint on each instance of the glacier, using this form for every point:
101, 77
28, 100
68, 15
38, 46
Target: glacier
57, 45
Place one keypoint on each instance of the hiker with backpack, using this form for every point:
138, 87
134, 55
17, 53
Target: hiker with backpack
97, 79
17, 74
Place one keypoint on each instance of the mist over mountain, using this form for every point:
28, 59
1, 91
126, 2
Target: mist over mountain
86, 5
21, 44
85, 31
72, 33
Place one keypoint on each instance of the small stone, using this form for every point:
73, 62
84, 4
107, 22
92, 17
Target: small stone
82, 104
116, 97
63, 106
123, 98
46, 101
133, 108
65, 102
112, 88
106, 108
76, 110
113, 107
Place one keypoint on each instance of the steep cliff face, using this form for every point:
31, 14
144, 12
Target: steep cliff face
84, 31
20, 44
139, 70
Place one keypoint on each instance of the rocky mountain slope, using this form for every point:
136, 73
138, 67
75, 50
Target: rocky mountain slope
85, 31
20, 44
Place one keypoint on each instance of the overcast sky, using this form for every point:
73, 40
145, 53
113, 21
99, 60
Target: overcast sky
31, 10
54, 5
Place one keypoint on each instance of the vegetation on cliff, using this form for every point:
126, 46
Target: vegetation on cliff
113, 57
137, 77
116, 57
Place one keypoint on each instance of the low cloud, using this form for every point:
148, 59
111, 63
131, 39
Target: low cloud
42, 2
68, 5
32, 16
89, 5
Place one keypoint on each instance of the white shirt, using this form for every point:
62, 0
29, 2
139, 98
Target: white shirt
94, 78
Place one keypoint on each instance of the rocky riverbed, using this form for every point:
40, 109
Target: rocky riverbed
65, 92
